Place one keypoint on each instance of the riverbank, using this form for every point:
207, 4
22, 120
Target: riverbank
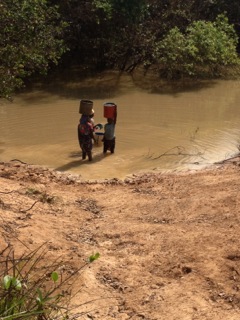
168, 243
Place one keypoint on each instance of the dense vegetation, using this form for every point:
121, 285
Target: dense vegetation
31, 37
179, 38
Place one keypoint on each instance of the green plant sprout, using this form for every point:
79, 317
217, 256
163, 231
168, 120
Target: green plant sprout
29, 291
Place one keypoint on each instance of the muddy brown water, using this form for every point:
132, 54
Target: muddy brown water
156, 130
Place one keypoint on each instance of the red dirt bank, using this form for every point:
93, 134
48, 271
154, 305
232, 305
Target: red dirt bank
169, 244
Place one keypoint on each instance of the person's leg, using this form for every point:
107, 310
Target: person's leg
90, 155
112, 146
105, 146
88, 147
82, 146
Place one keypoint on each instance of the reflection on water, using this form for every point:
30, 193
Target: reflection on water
156, 129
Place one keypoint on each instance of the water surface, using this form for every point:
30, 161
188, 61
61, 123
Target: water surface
156, 130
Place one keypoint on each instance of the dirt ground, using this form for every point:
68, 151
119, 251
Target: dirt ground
169, 244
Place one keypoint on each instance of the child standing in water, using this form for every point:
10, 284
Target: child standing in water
109, 135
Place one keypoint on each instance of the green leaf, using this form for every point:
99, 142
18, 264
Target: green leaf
40, 297
7, 280
16, 284
94, 257
54, 276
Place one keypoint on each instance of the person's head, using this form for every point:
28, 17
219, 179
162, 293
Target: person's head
109, 120
92, 114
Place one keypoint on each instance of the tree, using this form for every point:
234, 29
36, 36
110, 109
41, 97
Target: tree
30, 40
125, 22
124, 33
203, 49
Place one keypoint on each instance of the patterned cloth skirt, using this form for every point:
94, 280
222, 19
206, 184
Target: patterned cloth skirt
85, 142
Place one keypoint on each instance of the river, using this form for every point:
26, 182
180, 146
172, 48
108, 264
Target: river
157, 130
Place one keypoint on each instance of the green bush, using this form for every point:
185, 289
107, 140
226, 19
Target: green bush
31, 290
203, 49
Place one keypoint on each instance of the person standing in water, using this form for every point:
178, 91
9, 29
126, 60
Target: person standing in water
85, 135
109, 138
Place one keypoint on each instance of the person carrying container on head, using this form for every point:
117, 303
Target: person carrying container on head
85, 135
109, 139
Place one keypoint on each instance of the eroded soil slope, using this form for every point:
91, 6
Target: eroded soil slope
169, 244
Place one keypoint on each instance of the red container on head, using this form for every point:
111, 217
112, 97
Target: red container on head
110, 110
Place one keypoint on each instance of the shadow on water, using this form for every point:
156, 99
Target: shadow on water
155, 85
76, 83
77, 163
69, 85
175, 89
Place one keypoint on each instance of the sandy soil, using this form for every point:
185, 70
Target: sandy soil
169, 244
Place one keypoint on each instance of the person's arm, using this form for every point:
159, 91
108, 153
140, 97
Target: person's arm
92, 136
91, 131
